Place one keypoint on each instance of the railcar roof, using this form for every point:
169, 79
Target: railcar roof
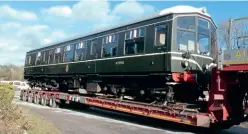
167, 11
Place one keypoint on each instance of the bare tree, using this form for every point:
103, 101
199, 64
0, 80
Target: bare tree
239, 29
11, 72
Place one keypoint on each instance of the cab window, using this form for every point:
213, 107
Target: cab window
186, 33
203, 41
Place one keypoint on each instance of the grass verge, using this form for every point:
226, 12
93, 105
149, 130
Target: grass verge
18, 120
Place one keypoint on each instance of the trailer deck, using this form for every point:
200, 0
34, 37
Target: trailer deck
176, 113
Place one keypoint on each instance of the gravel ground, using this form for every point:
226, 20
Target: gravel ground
99, 121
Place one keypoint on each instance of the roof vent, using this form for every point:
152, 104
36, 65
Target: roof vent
204, 9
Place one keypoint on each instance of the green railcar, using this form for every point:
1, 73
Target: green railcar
166, 56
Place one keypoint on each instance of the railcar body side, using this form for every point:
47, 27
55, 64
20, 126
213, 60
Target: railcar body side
86, 66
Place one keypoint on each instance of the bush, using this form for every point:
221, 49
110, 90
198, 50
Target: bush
16, 120
6, 95
11, 118
12, 121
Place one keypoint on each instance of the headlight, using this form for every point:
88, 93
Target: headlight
185, 64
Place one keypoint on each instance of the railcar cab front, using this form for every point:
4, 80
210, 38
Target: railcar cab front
193, 45
192, 52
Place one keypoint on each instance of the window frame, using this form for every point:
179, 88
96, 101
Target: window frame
213, 40
203, 34
65, 51
84, 49
178, 45
196, 32
112, 42
200, 18
61, 54
94, 40
187, 29
38, 58
131, 37
166, 34
44, 56
28, 60
52, 51
191, 30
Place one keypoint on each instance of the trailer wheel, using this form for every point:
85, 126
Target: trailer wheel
30, 97
36, 99
43, 100
52, 102
24, 98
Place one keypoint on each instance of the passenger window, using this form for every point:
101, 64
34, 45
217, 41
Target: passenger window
58, 55
93, 47
110, 49
141, 32
107, 40
128, 35
134, 42
38, 58
110, 38
44, 57
68, 53
115, 37
28, 60
160, 35
134, 33
80, 51
50, 57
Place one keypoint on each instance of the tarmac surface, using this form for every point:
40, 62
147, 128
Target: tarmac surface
100, 121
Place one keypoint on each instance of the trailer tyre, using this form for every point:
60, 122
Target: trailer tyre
24, 98
30, 97
52, 102
43, 100
36, 99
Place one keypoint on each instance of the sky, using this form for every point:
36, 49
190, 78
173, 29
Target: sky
25, 25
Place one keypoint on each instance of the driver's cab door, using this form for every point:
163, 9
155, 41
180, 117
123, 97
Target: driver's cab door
160, 47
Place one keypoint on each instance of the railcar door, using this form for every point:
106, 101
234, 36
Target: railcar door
160, 47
